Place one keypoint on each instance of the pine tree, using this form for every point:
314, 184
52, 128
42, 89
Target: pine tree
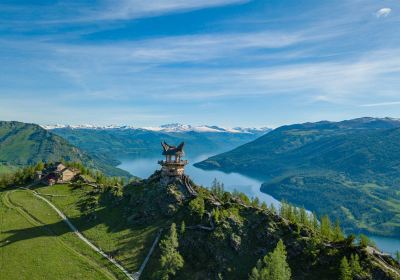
183, 228
303, 216
255, 272
273, 209
398, 256
345, 270
171, 261
355, 265
255, 202
364, 241
326, 227
337, 232
315, 221
197, 206
264, 205
273, 267
277, 264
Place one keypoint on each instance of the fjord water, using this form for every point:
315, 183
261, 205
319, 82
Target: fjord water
143, 167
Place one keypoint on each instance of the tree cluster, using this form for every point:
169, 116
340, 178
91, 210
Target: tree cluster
273, 266
171, 260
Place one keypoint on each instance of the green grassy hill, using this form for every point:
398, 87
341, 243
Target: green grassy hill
36, 244
348, 169
124, 224
24, 144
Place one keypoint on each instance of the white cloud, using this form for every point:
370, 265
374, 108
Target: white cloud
128, 9
392, 103
64, 12
384, 12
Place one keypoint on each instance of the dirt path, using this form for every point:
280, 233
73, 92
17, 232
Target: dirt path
80, 235
134, 276
381, 261
142, 267
34, 221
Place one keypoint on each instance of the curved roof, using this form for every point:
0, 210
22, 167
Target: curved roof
173, 150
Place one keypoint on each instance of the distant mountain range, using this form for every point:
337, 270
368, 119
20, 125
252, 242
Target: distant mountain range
348, 169
117, 142
174, 127
24, 144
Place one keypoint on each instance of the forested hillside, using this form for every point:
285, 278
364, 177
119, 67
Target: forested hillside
348, 169
210, 235
124, 143
23, 144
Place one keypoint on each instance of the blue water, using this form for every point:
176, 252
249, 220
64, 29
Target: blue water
144, 167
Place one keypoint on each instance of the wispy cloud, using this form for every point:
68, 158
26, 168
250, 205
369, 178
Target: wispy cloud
128, 9
91, 57
392, 103
384, 12
65, 12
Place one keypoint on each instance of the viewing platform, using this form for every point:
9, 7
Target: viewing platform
173, 165
179, 163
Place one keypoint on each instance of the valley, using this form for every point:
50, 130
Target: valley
123, 221
252, 187
347, 169
124, 225
119, 142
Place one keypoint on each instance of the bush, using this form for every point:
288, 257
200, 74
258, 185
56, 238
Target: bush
197, 207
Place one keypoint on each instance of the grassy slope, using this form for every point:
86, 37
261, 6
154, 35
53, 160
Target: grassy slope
7, 169
349, 170
24, 144
36, 244
109, 230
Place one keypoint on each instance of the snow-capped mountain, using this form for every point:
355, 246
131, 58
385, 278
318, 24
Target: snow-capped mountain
168, 128
86, 126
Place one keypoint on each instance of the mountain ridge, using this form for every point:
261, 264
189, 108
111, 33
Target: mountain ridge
352, 165
117, 143
173, 127
23, 144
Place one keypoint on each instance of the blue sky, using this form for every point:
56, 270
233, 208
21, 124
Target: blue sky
224, 62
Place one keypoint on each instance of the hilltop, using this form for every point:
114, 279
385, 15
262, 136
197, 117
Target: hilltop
348, 169
220, 235
23, 144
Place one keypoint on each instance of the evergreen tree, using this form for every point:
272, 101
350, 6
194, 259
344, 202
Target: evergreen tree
197, 206
183, 227
355, 265
345, 270
337, 232
303, 216
264, 205
398, 256
255, 272
315, 221
171, 261
273, 209
364, 241
255, 202
326, 227
273, 267
39, 166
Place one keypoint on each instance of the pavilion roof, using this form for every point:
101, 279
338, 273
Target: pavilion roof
173, 150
